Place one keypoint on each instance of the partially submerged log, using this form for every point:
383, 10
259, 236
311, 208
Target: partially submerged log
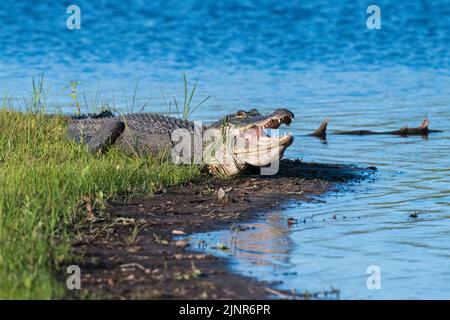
321, 131
422, 130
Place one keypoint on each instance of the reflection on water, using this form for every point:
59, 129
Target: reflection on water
318, 59
265, 243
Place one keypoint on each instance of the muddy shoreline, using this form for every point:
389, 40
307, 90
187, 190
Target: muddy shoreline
130, 251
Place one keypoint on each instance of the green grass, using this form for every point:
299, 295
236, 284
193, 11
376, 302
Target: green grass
183, 111
44, 179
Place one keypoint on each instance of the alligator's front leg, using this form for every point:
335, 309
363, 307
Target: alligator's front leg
99, 137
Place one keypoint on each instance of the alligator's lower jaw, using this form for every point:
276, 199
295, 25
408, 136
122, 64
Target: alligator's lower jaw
259, 153
262, 145
265, 151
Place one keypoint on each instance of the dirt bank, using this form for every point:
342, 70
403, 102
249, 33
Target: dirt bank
129, 251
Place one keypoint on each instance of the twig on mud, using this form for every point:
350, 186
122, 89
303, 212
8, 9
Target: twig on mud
280, 294
133, 265
324, 184
294, 192
159, 240
131, 239
209, 214
100, 232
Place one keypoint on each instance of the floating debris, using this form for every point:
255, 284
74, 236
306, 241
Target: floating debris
222, 246
291, 221
404, 131
238, 228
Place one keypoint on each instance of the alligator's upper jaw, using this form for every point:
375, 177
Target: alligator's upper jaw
272, 121
257, 129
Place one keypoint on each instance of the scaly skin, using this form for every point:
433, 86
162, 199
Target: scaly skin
148, 133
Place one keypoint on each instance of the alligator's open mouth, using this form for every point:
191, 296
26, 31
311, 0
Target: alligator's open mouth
251, 139
259, 129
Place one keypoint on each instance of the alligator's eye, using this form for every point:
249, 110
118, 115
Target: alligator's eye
254, 111
241, 113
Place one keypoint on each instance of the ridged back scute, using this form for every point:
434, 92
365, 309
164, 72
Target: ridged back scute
155, 123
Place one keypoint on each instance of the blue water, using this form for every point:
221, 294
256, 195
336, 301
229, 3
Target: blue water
318, 59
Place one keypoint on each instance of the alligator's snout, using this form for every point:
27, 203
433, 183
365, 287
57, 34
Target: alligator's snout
274, 120
283, 113
252, 143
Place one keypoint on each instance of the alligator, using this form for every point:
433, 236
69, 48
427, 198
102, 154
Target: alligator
239, 140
